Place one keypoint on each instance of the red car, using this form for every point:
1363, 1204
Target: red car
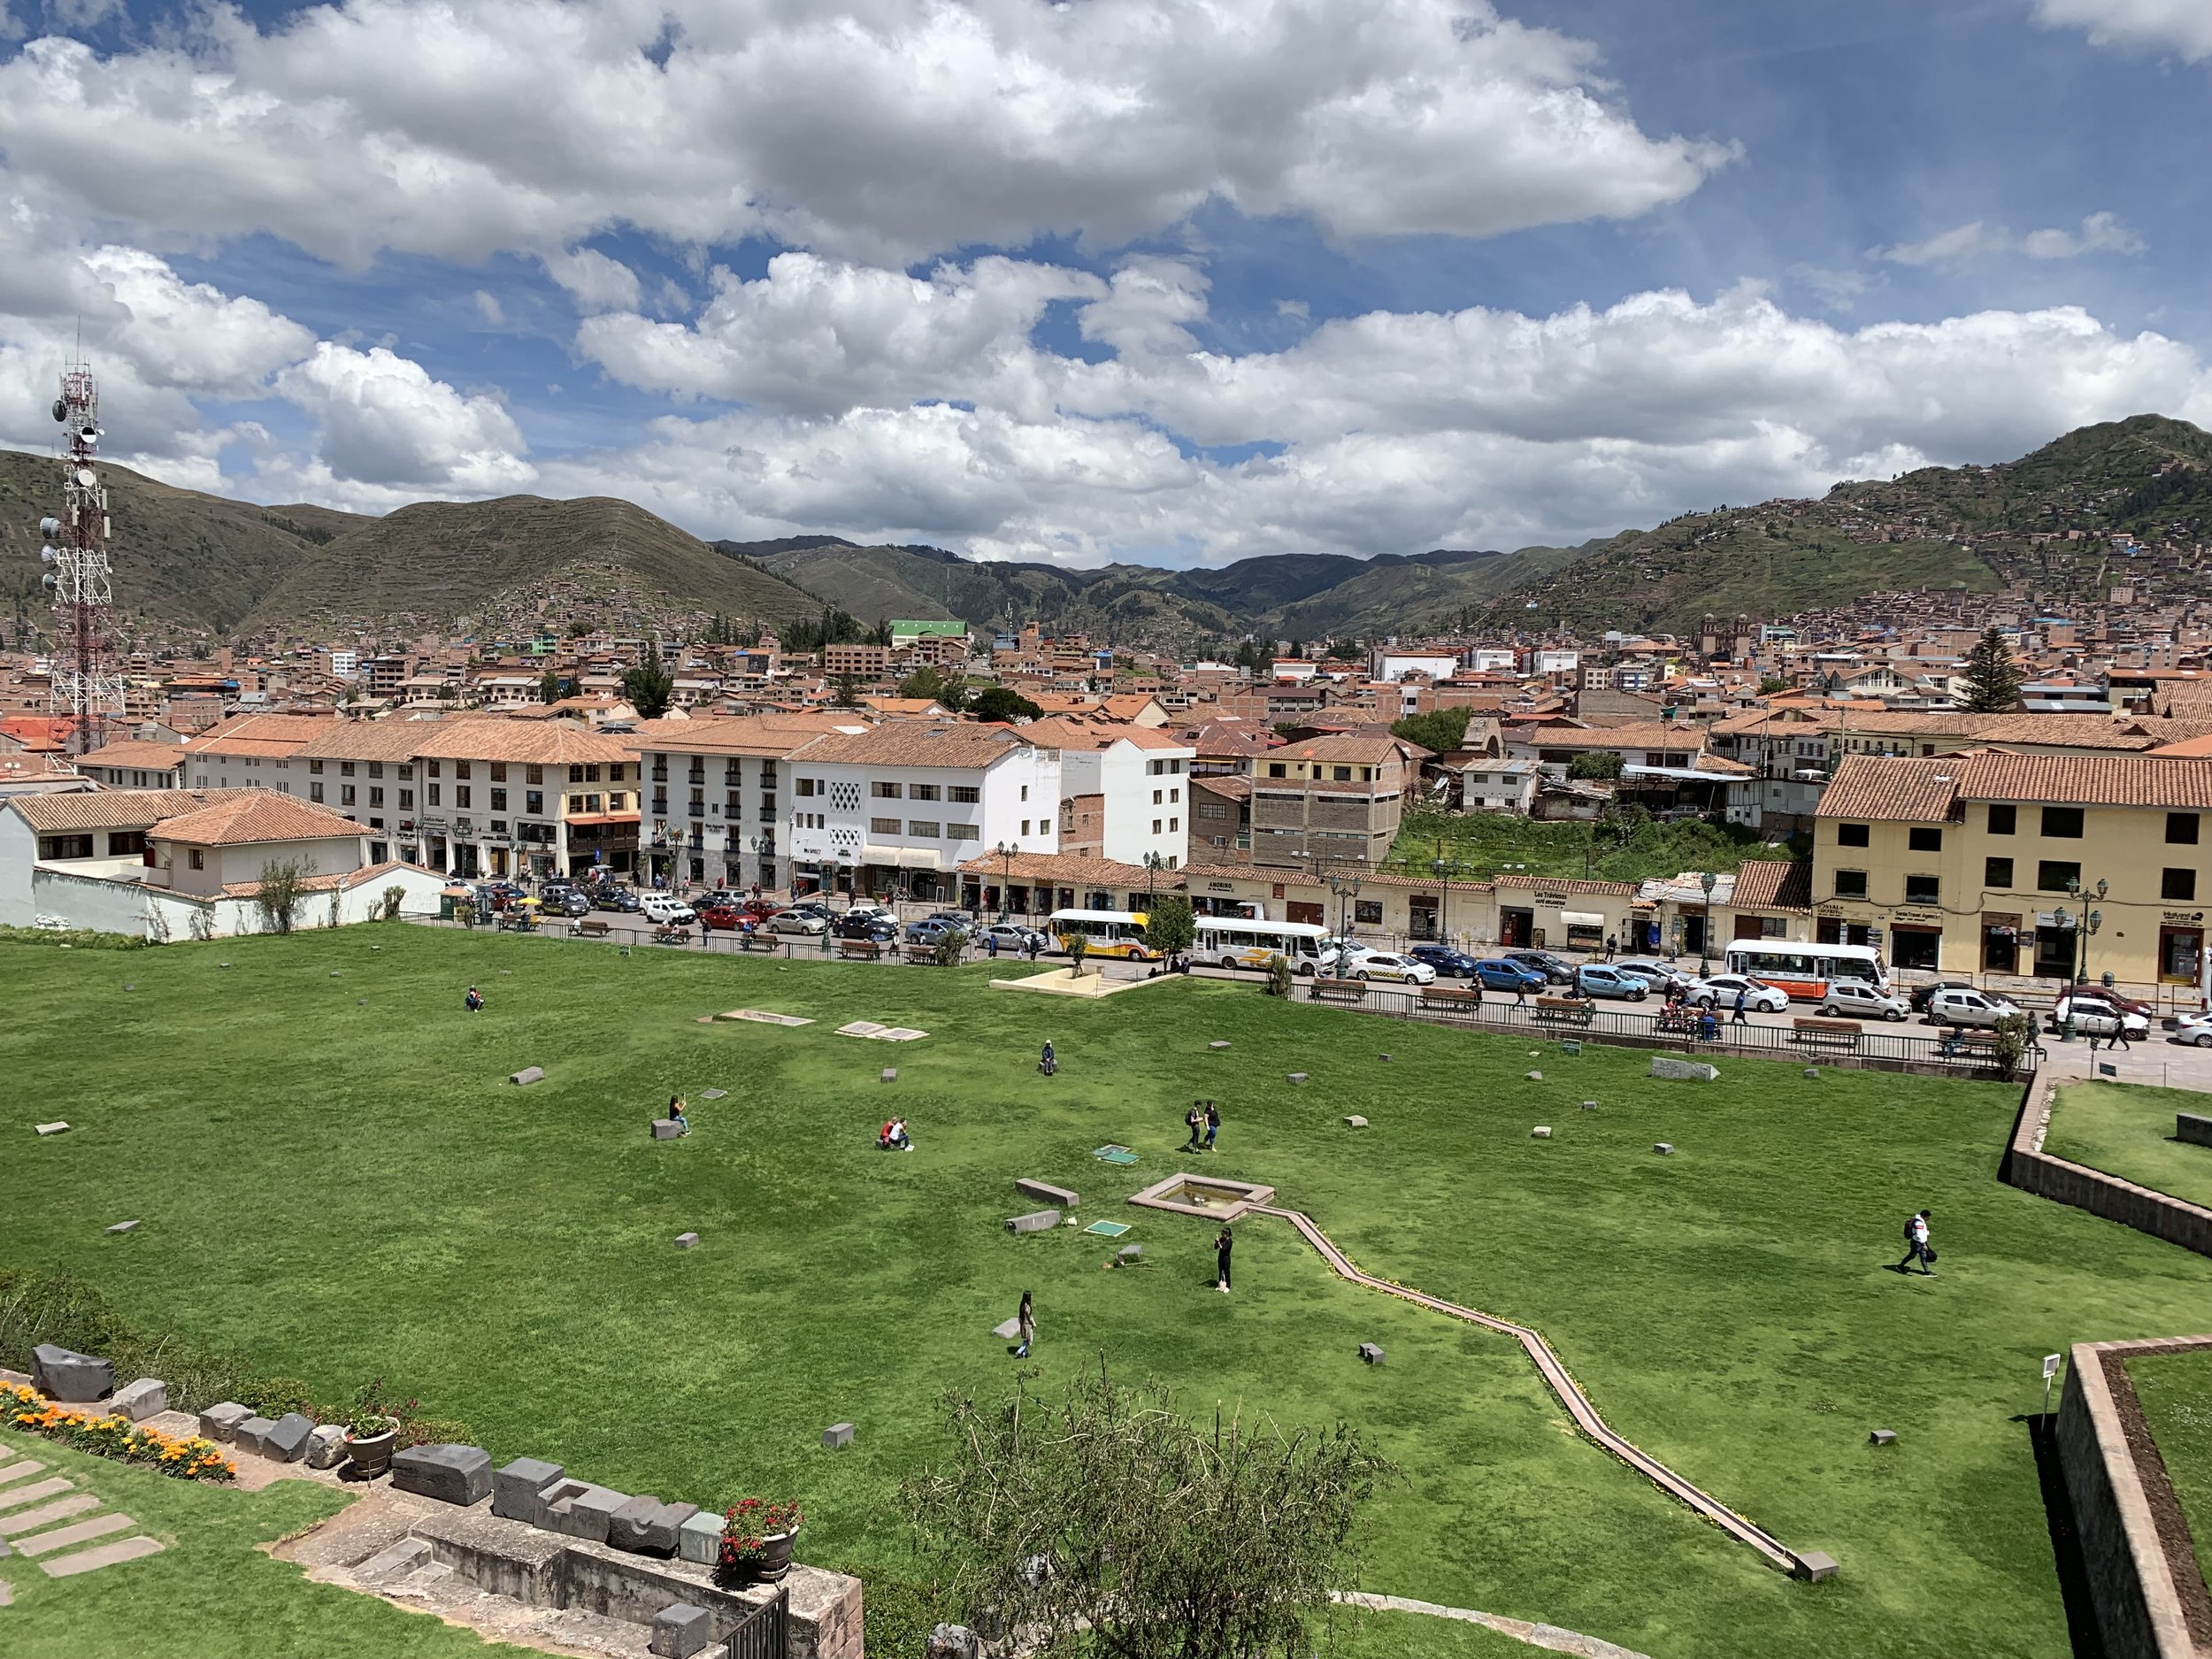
2104, 994
714, 913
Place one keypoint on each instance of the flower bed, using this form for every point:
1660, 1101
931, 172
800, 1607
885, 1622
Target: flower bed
112, 1436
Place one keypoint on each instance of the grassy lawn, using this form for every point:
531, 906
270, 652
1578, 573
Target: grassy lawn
2127, 1130
2175, 1393
1484, 843
335, 1180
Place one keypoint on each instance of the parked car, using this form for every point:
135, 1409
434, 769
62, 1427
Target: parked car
719, 912
798, 921
964, 921
1553, 969
1596, 979
931, 931
571, 903
1502, 973
2111, 998
1014, 937
879, 930
666, 910
1856, 999
1720, 992
2194, 1029
1448, 963
623, 901
1658, 975
1385, 964
1967, 1007
1922, 993
2094, 1016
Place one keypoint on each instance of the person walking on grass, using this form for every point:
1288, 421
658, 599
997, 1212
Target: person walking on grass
1194, 1121
1213, 1123
1916, 1246
1025, 1325
1221, 1247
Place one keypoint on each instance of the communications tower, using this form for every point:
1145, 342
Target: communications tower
85, 683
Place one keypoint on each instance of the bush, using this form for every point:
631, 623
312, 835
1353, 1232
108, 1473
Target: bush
1278, 979
952, 949
75, 938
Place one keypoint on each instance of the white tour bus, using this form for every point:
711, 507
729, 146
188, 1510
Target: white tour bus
1805, 970
1232, 941
1104, 933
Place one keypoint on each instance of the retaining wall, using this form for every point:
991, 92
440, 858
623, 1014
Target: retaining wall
2032, 1170
2150, 1598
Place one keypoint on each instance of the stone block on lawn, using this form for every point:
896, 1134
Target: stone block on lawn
1589, 1105
838, 1436
1664, 1148
1045, 1192
713, 1094
2192, 1128
631, 1527
253, 1434
1884, 1437
327, 1446
1127, 1254
517, 1489
1542, 1131
681, 1631
1813, 1072
1816, 1565
72, 1377
700, 1539
51, 1129
1535, 1077
576, 1509
1573, 1045
1356, 1122
666, 1129
890, 1074
1216, 1044
528, 1074
687, 1241
1007, 1332
220, 1423
123, 1226
287, 1438
1036, 1221
1370, 1353
147, 1397
1296, 1077
451, 1474
1682, 1070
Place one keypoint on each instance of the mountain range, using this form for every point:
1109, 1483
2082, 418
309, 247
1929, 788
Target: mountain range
196, 564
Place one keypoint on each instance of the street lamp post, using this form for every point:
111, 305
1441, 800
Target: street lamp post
2086, 922
1708, 881
1346, 889
1443, 901
1006, 850
1152, 864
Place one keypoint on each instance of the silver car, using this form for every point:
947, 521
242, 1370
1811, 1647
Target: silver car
1961, 1007
1720, 992
1855, 999
798, 922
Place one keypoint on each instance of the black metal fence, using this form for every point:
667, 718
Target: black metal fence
765, 1633
1967, 1056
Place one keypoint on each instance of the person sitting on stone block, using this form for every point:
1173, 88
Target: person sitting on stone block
896, 1137
474, 999
676, 1113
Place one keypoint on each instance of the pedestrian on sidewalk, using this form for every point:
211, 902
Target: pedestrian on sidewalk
1917, 1247
1740, 1017
1611, 945
1221, 1247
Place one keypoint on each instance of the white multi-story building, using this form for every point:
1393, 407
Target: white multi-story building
715, 794
1123, 790
898, 807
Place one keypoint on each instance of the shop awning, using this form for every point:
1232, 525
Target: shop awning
1581, 919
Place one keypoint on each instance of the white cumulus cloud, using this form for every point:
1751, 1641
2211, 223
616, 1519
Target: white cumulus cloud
389, 429
2099, 232
2178, 26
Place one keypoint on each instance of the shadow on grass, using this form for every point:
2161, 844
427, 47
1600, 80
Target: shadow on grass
2058, 1514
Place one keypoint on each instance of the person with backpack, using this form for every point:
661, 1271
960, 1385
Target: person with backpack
1917, 1244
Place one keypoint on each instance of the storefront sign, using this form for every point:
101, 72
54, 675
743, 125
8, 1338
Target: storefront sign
2183, 918
1228, 886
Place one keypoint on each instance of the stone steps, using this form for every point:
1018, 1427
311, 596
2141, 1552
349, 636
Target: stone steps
104, 1556
32, 1494
29, 1516
47, 1514
18, 1471
77, 1533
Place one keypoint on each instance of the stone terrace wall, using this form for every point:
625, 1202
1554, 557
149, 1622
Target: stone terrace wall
2150, 1598
2032, 1170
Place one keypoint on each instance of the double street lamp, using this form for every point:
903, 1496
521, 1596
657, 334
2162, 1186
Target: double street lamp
1006, 851
2085, 923
1708, 881
1346, 889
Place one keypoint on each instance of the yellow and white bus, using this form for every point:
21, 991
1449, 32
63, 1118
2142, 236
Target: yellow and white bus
1806, 972
1103, 933
1234, 942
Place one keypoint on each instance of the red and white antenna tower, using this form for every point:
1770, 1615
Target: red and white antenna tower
85, 683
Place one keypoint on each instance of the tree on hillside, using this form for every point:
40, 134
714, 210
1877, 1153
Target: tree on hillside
549, 687
1597, 763
1993, 680
649, 686
1104, 1522
996, 703
845, 692
1440, 731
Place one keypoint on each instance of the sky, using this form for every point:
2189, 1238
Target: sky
1170, 281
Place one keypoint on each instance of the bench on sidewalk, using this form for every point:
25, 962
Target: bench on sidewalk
758, 942
1814, 1033
1439, 996
594, 930
1339, 990
863, 949
1571, 1010
672, 936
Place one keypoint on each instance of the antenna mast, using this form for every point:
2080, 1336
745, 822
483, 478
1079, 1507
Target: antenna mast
85, 683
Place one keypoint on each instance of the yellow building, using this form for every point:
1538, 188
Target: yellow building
1992, 862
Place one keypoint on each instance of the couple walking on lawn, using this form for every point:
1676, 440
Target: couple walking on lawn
1205, 1119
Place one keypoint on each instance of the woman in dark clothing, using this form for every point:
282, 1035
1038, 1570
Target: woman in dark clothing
1025, 1323
1222, 1246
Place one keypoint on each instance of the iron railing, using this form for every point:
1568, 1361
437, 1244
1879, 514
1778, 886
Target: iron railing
765, 1633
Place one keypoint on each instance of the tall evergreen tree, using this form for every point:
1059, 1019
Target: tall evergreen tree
649, 686
1993, 683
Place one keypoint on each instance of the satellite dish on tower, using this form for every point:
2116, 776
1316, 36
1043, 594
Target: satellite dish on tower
61, 409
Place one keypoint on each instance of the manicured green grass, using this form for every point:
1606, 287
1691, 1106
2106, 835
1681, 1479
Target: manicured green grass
339, 1188
2176, 1393
1485, 843
2127, 1130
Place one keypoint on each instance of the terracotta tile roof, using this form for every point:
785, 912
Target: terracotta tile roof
1072, 869
1920, 791
394, 738
344, 883
763, 735
960, 744
255, 815
1643, 734
114, 808
1774, 884
264, 736
1514, 881
1373, 750
535, 742
145, 756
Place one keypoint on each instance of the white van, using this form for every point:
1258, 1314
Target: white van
661, 908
